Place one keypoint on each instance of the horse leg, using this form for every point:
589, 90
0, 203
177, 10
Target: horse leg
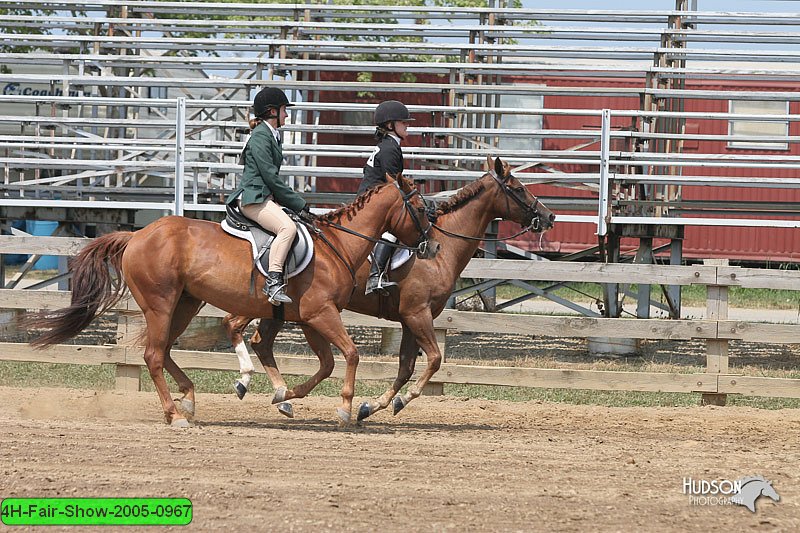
322, 348
234, 327
263, 340
266, 355
422, 326
155, 354
185, 311
328, 323
408, 358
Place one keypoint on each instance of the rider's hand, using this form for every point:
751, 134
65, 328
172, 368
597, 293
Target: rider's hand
306, 215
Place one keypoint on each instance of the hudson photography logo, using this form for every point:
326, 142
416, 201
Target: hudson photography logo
744, 491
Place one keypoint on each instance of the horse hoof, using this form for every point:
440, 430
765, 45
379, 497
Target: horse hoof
280, 395
344, 416
286, 409
364, 411
397, 404
240, 389
180, 423
187, 406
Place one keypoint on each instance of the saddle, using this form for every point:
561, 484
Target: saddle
240, 226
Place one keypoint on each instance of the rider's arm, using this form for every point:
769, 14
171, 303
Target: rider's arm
268, 157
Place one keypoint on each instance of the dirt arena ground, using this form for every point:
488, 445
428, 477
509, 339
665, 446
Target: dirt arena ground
443, 464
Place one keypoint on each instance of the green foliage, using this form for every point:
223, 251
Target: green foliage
6, 48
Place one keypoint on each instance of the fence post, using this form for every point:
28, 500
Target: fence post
437, 389
716, 349
605, 145
390, 341
130, 324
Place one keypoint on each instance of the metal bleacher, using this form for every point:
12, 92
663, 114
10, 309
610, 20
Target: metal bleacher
98, 122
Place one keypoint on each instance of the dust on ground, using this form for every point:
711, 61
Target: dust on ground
442, 464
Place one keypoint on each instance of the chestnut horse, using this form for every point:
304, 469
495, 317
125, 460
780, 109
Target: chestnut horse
423, 287
175, 265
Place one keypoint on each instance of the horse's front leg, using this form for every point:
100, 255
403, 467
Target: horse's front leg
421, 324
409, 350
328, 323
234, 327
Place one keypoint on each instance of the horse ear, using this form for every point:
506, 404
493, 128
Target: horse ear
392, 179
489, 162
499, 167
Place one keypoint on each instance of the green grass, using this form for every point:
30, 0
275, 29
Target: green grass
691, 295
17, 374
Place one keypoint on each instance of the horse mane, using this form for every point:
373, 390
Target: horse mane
356, 205
463, 196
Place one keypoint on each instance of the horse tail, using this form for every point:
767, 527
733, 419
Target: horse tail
94, 290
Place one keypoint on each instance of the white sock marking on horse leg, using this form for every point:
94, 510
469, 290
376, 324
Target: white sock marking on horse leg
245, 364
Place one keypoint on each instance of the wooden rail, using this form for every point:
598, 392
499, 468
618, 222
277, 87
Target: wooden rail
716, 329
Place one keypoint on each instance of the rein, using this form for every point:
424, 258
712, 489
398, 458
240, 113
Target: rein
467, 237
371, 239
340, 256
534, 225
421, 247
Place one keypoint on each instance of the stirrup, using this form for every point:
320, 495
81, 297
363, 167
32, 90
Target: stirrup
275, 294
378, 283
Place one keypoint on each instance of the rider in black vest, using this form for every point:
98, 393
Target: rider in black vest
391, 119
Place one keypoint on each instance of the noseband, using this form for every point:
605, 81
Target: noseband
530, 209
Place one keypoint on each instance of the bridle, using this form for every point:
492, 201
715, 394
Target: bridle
530, 209
424, 233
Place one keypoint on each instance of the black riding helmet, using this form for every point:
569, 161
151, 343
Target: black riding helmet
269, 98
391, 110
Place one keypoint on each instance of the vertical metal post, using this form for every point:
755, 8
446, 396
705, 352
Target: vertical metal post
605, 142
180, 147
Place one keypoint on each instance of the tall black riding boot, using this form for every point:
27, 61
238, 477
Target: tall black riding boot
273, 289
377, 272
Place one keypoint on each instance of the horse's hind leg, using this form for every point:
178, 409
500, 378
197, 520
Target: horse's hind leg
408, 358
263, 341
267, 332
185, 311
155, 354
234, 328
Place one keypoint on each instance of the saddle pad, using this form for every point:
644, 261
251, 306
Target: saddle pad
400, 256
300, 254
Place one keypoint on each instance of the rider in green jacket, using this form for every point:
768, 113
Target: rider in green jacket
262, 192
